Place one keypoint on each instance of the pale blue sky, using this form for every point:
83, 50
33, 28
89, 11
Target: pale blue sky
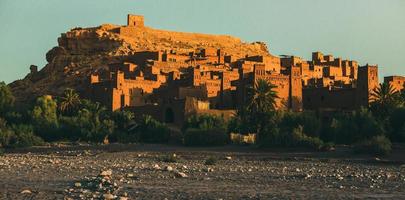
369, 31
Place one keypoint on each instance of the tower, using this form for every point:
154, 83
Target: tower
295, 96
135, 21
367, 81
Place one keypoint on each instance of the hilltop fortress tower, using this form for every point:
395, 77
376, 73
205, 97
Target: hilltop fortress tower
135, 21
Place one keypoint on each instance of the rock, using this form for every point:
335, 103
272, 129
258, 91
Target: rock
169, 168
109, 196
228, 157
157, 167
208, 169
123, 198
26, 192
130, 175
78, 184
181, 174
106, 173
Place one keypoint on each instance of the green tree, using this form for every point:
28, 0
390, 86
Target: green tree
204, 121
69, 102
262, 97
123, 119
384, 99
261, 104
6, 98
44, 117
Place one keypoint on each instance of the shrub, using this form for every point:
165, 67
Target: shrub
206, 137
211, 160
87, 125
148, 130
122, 119
6, 98
296, 138
352, 127
25, 136
6, 136
377, 145
397, 125
19, 136
301, 140
308, 120
204, 121
44, 118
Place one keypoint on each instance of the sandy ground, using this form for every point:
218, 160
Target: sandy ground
140, 172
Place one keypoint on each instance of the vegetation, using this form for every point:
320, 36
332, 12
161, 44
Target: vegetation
378, 145
6, 98
257, 121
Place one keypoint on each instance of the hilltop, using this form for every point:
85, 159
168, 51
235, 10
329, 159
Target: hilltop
81, 51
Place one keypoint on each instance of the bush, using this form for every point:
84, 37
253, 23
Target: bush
350, 128
44, 118
206, 137
25, 136
397, 125
302, 140
19, 136
296, 138
6, 98
204, 121
86, 126
377, 145
148, 130
308, 120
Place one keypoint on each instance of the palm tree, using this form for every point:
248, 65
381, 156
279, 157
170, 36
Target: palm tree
69, 102
261, 104
384, 95
384, 99
262, 97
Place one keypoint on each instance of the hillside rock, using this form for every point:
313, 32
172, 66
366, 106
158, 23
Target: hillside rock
81, 51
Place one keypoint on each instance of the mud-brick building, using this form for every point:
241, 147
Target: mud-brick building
171, 85
343, 98
397, 82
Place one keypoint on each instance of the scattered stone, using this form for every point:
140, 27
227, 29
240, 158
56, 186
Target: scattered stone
169, 168
26, 192
109, 196
78, 184
157, 167
228, 157
208, 169
181, 174
106, 173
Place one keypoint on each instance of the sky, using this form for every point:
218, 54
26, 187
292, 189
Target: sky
369, 31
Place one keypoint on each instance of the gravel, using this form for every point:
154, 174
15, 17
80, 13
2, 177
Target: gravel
141, 174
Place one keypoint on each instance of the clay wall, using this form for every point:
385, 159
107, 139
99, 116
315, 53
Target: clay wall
397, 82
325, 98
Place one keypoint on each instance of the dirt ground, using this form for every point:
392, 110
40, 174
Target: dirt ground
142, 172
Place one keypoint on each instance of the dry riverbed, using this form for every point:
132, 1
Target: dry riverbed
140, 172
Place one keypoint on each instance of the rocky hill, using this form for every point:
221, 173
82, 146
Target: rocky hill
81, 51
